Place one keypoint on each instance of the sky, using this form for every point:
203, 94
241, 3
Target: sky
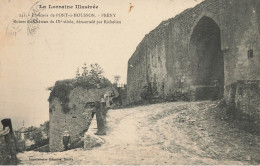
31, 63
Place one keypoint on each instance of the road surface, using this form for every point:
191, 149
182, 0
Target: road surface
165, 133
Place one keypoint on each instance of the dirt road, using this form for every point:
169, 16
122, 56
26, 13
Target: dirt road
166, 133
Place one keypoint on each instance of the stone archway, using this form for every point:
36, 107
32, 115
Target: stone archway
207, 58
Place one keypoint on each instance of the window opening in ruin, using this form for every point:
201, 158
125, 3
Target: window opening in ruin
90, 105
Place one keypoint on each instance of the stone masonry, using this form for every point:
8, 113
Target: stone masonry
211, 51
77, 120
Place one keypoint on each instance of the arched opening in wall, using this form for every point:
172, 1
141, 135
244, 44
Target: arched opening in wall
207, 60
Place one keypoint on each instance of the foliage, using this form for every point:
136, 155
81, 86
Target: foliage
77, 73
85, 71
96, 71
46, 127
40, 135
61, 90
87, 80
35, 134
92, 78
116, 79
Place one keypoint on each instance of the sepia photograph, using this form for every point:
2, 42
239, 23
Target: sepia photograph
130, 82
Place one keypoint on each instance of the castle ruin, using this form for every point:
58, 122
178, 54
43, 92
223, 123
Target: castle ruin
73, 114
211, 51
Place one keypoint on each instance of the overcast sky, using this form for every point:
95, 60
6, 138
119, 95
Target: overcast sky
30, 64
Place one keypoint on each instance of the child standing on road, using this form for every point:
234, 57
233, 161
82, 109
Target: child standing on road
66, 140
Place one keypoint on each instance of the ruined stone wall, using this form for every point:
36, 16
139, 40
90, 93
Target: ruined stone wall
176, 59
77, 120
243, 98
247, 98
156, 67
241, 36
164, 55
136, 74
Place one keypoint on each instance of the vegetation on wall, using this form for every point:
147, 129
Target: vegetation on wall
45, 127
88, 79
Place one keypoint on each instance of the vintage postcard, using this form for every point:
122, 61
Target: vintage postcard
129, 82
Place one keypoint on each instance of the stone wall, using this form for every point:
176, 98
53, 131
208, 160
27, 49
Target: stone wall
243, 97
247, 98
136, 75
214, 43
77, 120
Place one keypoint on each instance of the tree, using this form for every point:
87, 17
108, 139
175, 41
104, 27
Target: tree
77, 73
35, 134
96, 72
116, 79
85, 71
45, 127
92, 78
